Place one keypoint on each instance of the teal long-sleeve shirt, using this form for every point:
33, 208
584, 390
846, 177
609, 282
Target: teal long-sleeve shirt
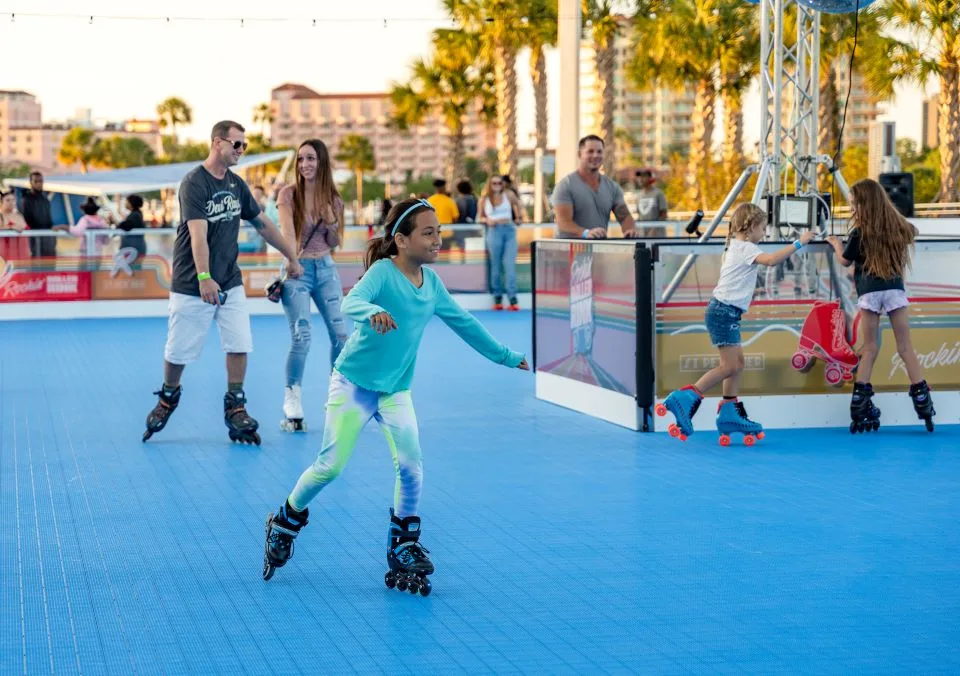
385, 362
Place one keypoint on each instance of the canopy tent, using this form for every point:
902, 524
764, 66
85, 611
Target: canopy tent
68, 191
137, 179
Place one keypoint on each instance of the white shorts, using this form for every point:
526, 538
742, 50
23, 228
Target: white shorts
883, 302
189, 325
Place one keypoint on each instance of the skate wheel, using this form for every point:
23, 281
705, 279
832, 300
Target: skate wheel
748, 440
682, 437
673, 430
761, 435
414, 587
833, 375
402, 584
876, 425
848, 375
724, 440
929, 424
268, 571
800, 361
147, 435
256, 438
425, 587
390, 579
661, 410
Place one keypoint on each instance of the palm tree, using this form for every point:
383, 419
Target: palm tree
499, 24
604, 28
172, 112
263, 115
676, 45
356, 153
539, 32
739, 64
78, 147
935, 24
450, 83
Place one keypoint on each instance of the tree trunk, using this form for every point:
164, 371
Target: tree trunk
733, 135
701, 141
457, 163
949, 130
538, 73
606, 64
358, 174
505, 71
829, 120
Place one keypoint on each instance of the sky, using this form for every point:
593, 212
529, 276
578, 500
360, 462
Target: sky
121, 69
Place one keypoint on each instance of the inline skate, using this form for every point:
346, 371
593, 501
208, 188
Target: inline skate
282, 529
923, 403
166, 405
240, 426
864, 415
406, 557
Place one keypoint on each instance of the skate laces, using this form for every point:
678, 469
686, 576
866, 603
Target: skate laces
413, 551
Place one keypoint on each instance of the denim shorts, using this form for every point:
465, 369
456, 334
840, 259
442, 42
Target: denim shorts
723, 323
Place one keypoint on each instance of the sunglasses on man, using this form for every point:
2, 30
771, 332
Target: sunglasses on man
237, 145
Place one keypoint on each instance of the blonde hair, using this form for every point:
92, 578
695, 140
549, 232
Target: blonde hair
745, 218
885, 236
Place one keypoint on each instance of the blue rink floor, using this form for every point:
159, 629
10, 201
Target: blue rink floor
562, 544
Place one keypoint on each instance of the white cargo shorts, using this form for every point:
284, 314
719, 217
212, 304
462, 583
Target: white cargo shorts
189, 324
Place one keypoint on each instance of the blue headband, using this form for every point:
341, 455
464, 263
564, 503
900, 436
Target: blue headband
419, 203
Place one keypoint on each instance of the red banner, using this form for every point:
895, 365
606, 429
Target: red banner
19, 286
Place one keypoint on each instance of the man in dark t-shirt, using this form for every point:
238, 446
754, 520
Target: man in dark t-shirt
207, 284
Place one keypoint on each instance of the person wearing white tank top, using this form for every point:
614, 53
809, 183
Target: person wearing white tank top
497, 213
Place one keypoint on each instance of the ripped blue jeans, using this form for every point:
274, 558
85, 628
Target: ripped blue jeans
321, 283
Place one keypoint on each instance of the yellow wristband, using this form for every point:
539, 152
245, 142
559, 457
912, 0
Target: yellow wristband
202, 276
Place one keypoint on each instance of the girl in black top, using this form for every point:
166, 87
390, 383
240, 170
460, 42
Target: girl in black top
133, 221
878, 247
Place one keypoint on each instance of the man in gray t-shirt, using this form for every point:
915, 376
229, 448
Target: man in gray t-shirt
651, 202
584, 199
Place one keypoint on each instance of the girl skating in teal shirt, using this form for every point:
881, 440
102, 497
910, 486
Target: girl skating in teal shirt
390, 306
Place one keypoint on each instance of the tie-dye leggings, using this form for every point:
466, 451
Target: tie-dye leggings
349, 409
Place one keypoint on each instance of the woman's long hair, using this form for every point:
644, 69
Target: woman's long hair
385, 246
325, 192
885, 235
488, 191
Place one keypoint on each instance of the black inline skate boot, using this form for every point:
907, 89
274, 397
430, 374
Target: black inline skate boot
240, 425
282, 529
864, 415
923, 403
166, 405
408, 560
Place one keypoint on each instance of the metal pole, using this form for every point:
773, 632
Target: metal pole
691, 258
538, 185
568, 40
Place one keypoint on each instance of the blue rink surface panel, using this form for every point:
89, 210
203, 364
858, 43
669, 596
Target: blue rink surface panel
562, 544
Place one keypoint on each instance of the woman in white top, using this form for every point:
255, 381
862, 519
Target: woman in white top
496, 211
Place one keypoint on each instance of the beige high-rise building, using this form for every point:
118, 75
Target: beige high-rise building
301, 113
650, 125
862, 109
930, 136
25, 138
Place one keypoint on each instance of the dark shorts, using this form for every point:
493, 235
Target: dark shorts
723, 323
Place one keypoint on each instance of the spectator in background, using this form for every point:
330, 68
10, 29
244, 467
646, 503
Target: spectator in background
91, 220
514, 198
443, 204
270, 208
466, 202
651, 202
584, 199
12, 248
133, 221
35, 208
497, 213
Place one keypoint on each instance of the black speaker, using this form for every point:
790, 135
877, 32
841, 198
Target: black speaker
899, 187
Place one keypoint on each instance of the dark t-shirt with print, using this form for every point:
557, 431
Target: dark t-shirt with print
866, 283
222, 203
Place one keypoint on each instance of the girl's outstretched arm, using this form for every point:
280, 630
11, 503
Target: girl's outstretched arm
359, 305
473, 332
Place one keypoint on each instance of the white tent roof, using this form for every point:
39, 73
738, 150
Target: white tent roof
134, 180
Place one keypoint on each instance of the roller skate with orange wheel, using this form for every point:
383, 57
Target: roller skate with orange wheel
732, 419
683, 404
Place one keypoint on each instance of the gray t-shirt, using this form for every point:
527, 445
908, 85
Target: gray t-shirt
221, 203
590, 209
649, 204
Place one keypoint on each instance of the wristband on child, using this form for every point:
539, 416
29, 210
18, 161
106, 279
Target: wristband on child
797, 245
202, 276
586, 231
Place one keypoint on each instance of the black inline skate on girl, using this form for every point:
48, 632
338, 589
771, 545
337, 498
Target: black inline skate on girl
923, 403
407, 558
864, 415
282, 529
